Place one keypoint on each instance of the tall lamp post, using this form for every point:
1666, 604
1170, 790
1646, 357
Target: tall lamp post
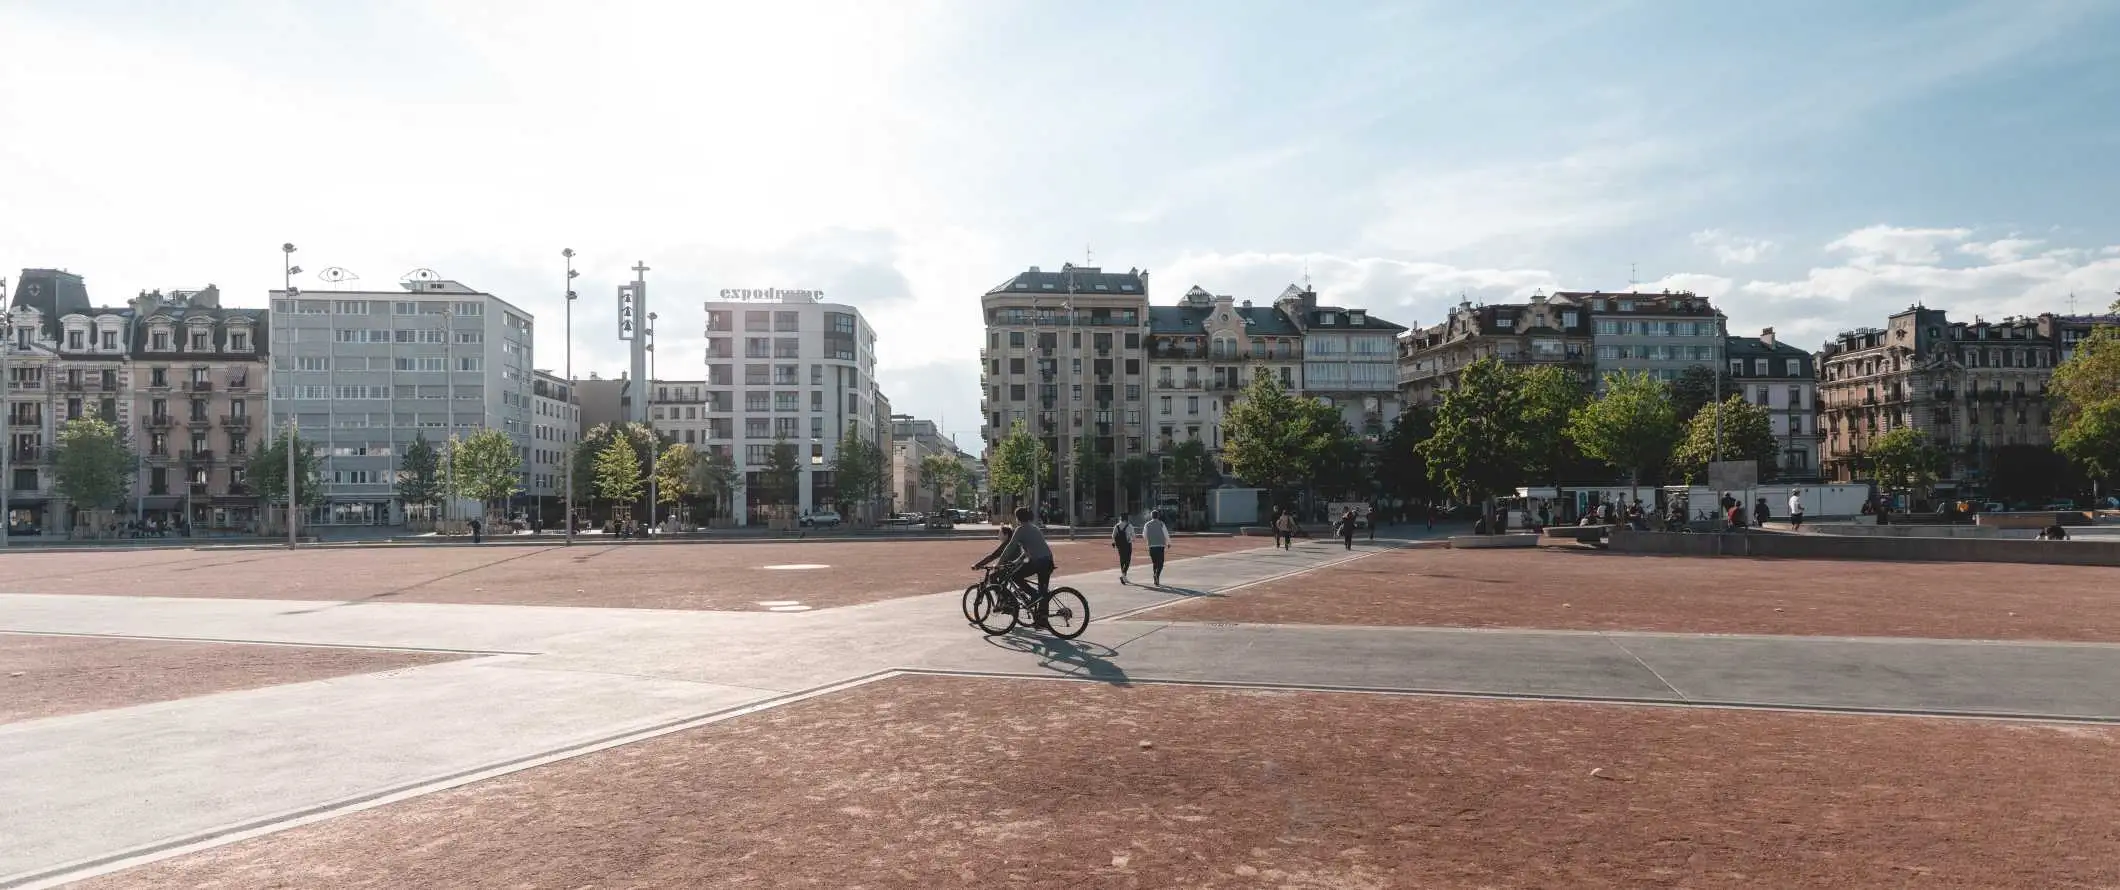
647, 394
7, 419
573, 433
289, 271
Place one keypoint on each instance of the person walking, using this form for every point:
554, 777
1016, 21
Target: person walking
1157, 536
1284, 530
1759, 512
1372, 523
1796, 511
1123, 543
1346, 528
477, 530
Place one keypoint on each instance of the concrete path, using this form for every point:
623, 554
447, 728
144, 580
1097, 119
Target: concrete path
79, 793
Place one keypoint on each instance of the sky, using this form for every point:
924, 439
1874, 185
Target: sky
1813, 166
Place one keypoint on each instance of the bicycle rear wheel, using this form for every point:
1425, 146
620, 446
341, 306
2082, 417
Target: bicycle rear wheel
1065, 613
997, 614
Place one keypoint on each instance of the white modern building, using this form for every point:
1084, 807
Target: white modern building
780, 366
365, 372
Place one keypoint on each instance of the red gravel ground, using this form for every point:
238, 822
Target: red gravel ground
720, 575
1589, 590
932, 782
44, 676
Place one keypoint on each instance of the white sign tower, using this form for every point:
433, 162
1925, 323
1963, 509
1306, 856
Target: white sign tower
632, 308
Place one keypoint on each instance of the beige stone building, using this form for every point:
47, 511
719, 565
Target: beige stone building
198, 400
1541, 331
1203, 352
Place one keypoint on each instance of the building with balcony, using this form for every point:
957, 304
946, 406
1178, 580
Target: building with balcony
364, 373
913, 441
1660, 334
787, 369
1784, 380
1202, 353
1350, 360
1539, 332
1064, 357
555, 429
198, 393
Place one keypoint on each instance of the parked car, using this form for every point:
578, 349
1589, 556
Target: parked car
821, 519
2060, 505
1993, 507
940, 519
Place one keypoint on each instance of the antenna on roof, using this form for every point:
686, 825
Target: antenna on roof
1306, 274
1088, 258
2071, 302
1632, 281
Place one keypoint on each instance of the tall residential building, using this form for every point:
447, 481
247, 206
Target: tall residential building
1350, 360
198, 396
1542, 331
1064, 357
789, 368
1971, 387
365, 372
555, 428
1198, 352
1659, 334
913, 441
1784, 380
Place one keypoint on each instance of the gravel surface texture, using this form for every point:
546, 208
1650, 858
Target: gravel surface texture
1589, 590
47, 676
924, 782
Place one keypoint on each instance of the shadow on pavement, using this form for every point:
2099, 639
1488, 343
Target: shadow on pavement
1071, 657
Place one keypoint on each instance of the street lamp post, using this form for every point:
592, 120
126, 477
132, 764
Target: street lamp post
568, 401
289, 271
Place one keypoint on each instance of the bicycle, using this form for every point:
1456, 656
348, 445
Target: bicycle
1001, 605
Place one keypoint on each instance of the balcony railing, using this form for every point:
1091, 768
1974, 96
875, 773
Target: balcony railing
198, 421
202, 386
236, 421
198, 457
198, 489
73, 385
162, 384
160, 421
238, 383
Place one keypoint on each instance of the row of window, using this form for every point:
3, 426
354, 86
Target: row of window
396, 307
1657, 353
197, 339
313, 392
406, 335
1611, 326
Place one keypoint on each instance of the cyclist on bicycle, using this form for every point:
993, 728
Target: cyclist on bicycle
1007, 533
1025, 553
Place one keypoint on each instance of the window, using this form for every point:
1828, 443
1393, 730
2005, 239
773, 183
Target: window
757, 428
350, 307
787, 321
470, 363
1607, 352
1133, 392
816, 375
75, 339
1163, 402
1607, 326
1015, 339
471, 337
470, 308
110, 340
1737, 367
1568, 319
1192, 404
159, 339
1794, 366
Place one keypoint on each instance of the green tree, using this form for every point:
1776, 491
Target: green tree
615, 473
2031, 473
1747, 434
1280, 442
419, 478
92, 467
941, 473
714, 475
484, 467
861, 471
1477, 449
590, 451
1548, 396
1135, 474
1190, 471
782, 474
673, 474
1014, 466
1632, 426
1695, 388
1402, 470
267, 473
1092, 473
1904, 460
2086, 396
2091, 438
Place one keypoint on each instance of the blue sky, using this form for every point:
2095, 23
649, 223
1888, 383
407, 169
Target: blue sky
1813, 165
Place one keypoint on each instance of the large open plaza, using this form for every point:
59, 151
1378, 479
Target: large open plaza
819, 714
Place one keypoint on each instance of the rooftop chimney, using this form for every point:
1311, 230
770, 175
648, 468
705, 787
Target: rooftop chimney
1766, 335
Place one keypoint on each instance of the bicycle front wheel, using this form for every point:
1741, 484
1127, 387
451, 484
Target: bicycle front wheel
971, 604
996, 615
1065, 613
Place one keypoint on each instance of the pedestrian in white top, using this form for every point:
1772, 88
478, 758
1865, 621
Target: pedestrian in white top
1796, 511
1157, 536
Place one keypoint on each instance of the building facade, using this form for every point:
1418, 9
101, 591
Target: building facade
1064, 356
1198, 352
791, 370
1539, 332
1784, 380
1659, 334
555, 430
365, 373
1350, 360
913, 441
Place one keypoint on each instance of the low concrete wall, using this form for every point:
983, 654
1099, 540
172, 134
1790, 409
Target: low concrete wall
1773, 545
2036, 520
1484, 542
1871, 530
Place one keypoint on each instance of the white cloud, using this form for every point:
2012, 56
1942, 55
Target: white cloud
1732, 250
2002, 250
1399, 291
1891, 244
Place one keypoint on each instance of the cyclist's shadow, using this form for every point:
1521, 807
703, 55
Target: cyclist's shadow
1072, 657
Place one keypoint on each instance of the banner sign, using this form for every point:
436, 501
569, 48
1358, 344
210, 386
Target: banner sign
771, 295
626, 317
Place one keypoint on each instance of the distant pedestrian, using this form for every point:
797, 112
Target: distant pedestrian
1431, 511
1157, 536
1545, 514
1123, 544
1795, 511
1759, 512
1346, 528
1284, 530
1372, 524
477, 531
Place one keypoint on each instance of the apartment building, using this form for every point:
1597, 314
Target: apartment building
1064, 356
913, 441
1971, 387
1541, 331
198, 390
1660, 334
1784, 380
790, 368
1350, 360
1198, 352
364, 373
555, 430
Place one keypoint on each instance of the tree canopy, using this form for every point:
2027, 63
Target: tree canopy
267, 471
1695, 389
2086, 394
714, 476
860, 470
1478, 447
615, 471
1631, 426
1014, 466
589, 452
674, 475
484, 467
1402, 470
93, 467
782, 475
1548, 396
1903, 460
941, 473
419, 478
1281, 442
1747, 434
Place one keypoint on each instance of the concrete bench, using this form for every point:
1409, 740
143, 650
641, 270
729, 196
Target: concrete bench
1484, 542
1588, 534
